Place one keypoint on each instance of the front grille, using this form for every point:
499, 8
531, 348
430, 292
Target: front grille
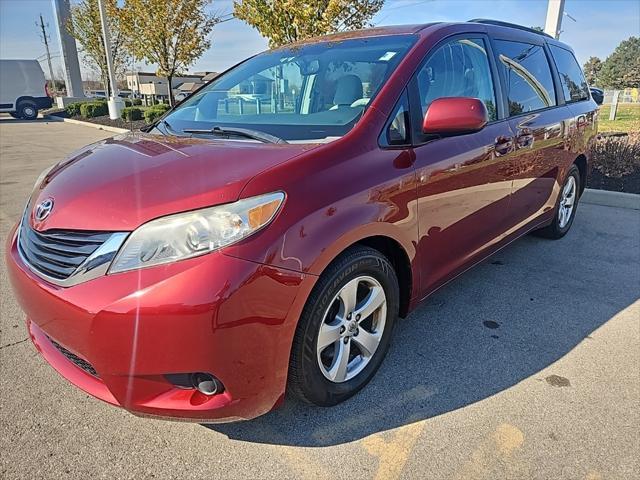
79, 362
58, 253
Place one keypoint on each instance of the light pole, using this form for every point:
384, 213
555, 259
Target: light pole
115, 103
555, 9
73, 79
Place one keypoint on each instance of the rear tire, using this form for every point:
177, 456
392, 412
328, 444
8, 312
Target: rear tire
566, 207
352, 309
14, 115
27, 110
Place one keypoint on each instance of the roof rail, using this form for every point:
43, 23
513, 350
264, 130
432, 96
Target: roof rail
507, 24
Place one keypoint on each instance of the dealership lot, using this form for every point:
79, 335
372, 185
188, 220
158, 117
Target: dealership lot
528, 366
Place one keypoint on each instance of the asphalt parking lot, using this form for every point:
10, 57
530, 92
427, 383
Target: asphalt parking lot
527, 366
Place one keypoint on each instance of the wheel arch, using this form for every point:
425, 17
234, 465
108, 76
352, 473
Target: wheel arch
400, 253
581, 163
25, 98
398, 257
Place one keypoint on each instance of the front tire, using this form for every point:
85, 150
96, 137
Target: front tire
15, 115
566, 206
345, 329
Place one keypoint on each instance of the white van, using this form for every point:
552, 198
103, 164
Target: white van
23, 89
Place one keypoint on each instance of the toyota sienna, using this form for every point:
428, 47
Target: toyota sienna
267, 233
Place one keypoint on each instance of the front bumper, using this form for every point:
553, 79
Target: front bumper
229, 317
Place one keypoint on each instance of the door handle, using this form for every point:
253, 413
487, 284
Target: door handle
524, 139
503, 145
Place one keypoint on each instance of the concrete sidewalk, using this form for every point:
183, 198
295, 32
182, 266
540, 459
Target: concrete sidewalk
525, 367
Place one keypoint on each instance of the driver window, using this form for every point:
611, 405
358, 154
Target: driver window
459, 68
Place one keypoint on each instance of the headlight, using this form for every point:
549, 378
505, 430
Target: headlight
189, 234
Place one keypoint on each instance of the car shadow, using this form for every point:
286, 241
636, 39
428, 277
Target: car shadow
499, 324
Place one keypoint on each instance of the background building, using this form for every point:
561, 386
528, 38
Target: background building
150, 86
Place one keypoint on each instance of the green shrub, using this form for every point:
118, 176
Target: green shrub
132, 114
155, 112
94, 109
73, 109
127, 102
137, 101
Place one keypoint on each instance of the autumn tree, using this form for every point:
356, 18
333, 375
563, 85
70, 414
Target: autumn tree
592, 70
621, 69
287, 21
171, 34
85, 26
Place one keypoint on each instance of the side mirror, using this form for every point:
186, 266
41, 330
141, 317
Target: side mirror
455, 115
597, 95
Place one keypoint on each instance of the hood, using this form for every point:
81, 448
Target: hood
127, 180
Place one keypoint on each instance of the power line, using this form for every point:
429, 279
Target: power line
398, 7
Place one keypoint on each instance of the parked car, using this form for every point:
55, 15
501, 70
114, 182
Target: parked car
597, 94
98, 94
203, 268
23, 89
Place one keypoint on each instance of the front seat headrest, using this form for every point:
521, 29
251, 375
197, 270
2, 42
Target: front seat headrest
348, 90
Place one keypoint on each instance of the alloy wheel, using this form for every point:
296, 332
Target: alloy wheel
352, 329
567, 202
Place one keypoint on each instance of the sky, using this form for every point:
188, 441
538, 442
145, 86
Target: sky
599, 26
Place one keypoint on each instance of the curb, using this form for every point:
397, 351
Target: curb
611, 199
107, 128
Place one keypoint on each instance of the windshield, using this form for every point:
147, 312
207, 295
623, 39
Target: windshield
307, 93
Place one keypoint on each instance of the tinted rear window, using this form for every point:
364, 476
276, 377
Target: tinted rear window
527, 76
574, 85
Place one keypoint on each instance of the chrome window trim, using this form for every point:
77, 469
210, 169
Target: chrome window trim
95, 265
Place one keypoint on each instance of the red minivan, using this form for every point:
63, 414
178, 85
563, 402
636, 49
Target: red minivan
266, 234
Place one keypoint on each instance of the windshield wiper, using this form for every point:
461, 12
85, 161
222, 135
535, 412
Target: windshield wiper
237, 132
168, 129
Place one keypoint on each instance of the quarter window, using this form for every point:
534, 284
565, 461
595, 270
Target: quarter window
527, 76
397, 132
574, 85
459, 68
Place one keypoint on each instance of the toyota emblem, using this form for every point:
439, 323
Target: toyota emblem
43, 210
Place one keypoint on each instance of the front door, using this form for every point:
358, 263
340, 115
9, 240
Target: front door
463, 187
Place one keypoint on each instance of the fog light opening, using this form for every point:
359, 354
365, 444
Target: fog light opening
206, 383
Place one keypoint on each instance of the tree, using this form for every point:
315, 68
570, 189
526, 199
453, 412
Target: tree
621, 69
85, 26
169, 33
592, 70
288, 21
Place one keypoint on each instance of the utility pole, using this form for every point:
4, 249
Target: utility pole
45, 39
555, 11
115, 102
